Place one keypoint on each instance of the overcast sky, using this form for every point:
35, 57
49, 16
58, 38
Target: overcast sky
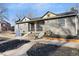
37, 9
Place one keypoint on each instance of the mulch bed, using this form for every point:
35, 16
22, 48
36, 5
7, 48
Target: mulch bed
62, 39
13, 44
41, 49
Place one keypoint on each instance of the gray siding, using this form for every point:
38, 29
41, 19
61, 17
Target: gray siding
71, 25
65, 26
68, 25
21, 28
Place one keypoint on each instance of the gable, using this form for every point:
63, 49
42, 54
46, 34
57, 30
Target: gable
25, 19
49, 15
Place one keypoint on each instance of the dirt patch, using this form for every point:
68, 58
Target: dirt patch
3, 39
41, 49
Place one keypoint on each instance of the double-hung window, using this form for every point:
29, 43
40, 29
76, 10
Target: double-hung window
61, 22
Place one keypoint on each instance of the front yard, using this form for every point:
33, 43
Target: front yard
46, 46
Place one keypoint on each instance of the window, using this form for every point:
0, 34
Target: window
77, 32
71, 19
61, 22
3, 25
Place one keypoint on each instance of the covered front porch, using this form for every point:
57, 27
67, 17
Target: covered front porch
35, 26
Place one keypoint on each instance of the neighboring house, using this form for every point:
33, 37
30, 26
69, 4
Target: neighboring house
34, 24
4, 26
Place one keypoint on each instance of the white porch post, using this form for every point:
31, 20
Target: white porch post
19, 29
35, 26
76, 24
30, 27
0, 27
65, 23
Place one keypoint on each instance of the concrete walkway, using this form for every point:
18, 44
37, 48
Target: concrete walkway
22, 51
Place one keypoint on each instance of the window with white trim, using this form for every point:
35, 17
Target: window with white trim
61, 22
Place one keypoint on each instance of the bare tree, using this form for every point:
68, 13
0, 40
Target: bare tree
3, 9
30, 15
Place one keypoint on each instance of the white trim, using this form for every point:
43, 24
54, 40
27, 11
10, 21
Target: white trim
0, 27
76, 25
35, 26
19, 29
65, 22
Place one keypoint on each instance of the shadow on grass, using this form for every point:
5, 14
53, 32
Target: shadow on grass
41, 49
13, 44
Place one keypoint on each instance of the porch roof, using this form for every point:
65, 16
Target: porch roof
61, 15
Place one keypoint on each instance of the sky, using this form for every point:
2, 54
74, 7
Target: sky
18, 10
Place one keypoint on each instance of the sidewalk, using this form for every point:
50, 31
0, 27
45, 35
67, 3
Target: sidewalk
21, 51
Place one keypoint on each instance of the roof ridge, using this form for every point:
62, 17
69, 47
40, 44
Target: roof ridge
48, 12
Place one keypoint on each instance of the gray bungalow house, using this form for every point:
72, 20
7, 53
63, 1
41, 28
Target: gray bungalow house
34, 24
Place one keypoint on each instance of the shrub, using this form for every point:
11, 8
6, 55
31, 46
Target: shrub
23, 33
48, 33
69, 37
57, 36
